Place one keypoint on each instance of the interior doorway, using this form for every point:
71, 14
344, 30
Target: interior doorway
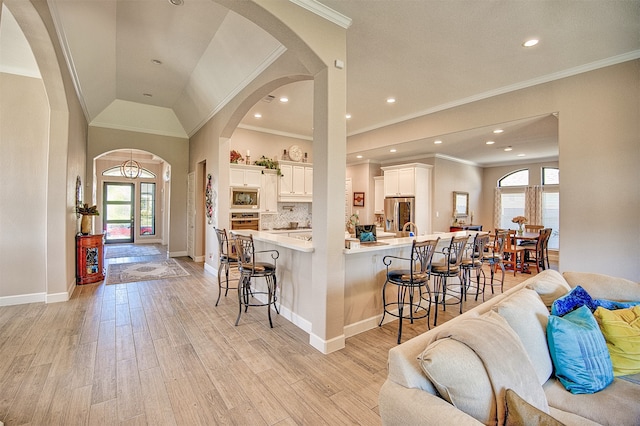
118, 208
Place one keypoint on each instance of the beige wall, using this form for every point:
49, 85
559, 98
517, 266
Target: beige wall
173, 150
599, 156
24, 113
267, 144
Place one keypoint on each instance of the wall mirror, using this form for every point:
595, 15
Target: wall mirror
460, 204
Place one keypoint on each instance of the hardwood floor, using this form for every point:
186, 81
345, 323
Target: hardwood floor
160, 353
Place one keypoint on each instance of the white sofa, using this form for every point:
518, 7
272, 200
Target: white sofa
410, 397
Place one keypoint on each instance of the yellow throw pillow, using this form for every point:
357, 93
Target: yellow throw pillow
621, 330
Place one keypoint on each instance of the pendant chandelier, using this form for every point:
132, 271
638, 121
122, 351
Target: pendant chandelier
130, 168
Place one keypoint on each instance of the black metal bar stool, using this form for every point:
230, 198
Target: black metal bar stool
226, 259
409, 282
448, 268
472, 262
249, 269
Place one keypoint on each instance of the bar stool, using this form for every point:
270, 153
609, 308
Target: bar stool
226, 259
449, 268
249, 269
408, 282
494, 256
473, 262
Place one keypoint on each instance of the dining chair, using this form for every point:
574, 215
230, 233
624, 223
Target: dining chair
250, 268
537, 253
412, 284
532, 228
449, 267
494, 256
226, 260
473, 261
513, 253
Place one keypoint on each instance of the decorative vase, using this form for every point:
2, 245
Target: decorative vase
519, 229
85, 224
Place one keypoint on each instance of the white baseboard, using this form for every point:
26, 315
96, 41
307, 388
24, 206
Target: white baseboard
199, 259
22, 299
177, 254
210, 269
57, 297
327, 346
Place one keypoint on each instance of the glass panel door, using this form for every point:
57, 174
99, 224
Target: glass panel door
118, 212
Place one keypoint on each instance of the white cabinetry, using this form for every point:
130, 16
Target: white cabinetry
378, 201
412, 180
296, 182
245, 176
269, 192
400, 182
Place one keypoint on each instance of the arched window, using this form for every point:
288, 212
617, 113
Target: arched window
517, 178
115, 172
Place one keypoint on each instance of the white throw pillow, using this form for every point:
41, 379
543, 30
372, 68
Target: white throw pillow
460, 378
549, 285
528, 317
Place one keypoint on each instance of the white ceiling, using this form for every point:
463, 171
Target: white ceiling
429, 54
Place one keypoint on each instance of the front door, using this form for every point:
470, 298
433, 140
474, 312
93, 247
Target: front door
118, 212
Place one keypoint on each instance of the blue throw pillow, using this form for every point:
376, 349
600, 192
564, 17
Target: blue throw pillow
579, 352
612, 305
577, 297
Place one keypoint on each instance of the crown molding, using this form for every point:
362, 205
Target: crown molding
325, 12
274, 132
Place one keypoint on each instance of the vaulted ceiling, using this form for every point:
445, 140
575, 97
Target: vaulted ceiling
152, 66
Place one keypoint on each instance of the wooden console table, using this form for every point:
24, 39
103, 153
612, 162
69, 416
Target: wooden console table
89, 258
465, 228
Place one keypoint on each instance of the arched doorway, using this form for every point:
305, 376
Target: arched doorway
134, 210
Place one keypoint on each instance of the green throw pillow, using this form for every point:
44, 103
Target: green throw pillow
621, 330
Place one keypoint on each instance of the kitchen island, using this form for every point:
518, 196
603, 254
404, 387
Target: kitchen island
364, 276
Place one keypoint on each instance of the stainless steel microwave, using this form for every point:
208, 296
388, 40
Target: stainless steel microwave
245, 198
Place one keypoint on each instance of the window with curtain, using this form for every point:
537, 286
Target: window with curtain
539, 204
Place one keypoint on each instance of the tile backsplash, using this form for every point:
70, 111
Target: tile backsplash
287, 212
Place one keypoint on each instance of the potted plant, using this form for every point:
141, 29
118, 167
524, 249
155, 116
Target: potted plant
86, 222
268, 163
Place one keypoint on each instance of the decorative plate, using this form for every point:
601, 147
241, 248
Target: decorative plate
295, 153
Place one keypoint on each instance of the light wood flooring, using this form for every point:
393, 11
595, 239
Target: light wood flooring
160, 353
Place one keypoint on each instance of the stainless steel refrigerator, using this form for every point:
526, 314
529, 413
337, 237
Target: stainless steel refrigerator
397, 212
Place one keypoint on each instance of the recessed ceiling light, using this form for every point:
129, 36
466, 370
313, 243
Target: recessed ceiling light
176, 2
348, 116
498, 131
148, 95
392, 150
156, 61
530, 43
257, 115
489, 142
358, 156
391, 100
521, 155
284, 99
508, 148
438, 142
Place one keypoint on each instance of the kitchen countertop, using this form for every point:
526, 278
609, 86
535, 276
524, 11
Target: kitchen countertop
288, 230
307, 246
393, 243
277, 238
